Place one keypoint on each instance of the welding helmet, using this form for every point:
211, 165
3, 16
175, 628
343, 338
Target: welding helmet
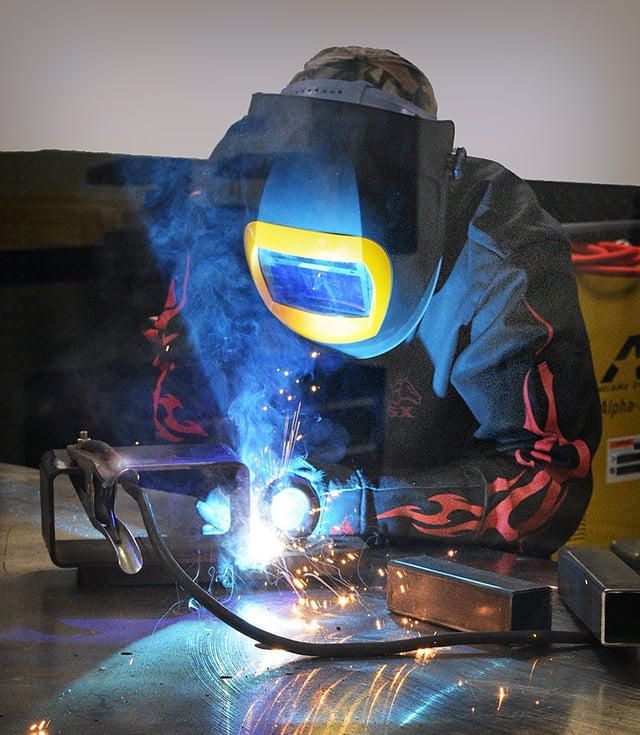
346, 245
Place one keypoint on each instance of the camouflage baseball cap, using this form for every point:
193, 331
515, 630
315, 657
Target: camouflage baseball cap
384, 69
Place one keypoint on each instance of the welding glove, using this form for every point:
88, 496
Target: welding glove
449, 503
439, 505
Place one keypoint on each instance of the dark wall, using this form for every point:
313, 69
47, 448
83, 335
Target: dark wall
78, 283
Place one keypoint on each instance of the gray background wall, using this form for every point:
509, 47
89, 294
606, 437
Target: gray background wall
549, 88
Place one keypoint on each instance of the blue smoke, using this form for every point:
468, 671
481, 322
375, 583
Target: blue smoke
254, 381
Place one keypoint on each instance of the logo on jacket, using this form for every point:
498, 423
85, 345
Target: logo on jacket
404, 399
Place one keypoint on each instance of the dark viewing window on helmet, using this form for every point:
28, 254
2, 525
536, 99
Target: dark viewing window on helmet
319, 286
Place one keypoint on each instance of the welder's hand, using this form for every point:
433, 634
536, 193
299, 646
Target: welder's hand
449, 503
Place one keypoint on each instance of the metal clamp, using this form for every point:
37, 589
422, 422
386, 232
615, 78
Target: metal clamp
102, 469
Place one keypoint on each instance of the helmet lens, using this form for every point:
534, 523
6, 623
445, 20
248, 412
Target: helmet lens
319, 286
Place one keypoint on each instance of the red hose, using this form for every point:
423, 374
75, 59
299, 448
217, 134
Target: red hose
614, 258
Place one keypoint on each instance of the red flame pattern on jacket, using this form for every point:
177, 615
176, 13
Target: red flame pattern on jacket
539, 477
166, 405
550, 479
440, 523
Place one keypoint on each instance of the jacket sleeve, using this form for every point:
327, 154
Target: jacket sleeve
524, 369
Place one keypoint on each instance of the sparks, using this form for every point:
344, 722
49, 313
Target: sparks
503, 693
291, 437
40, 728
425, 654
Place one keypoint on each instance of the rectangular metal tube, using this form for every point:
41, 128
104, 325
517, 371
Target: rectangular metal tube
602, 591
188, 468
465, 598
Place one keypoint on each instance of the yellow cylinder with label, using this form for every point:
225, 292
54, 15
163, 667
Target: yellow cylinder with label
611, 309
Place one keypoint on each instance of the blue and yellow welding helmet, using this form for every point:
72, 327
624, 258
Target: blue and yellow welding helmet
346, 244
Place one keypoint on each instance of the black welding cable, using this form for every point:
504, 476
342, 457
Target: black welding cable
357, 649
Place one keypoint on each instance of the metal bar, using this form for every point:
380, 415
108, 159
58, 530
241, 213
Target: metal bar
602, 591
465, 598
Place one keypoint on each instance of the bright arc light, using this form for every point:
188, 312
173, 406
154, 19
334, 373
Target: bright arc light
264, 545
290, 509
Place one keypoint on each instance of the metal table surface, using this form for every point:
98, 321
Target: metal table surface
141, 660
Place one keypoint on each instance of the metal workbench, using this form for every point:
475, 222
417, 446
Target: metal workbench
141, 660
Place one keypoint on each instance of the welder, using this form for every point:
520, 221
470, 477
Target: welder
368, 234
